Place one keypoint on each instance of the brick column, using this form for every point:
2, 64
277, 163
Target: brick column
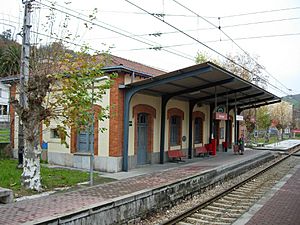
116, 120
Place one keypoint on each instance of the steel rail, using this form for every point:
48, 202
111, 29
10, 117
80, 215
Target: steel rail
191, 211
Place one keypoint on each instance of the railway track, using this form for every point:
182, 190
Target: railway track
228, 206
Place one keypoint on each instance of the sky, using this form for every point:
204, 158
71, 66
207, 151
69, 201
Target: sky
268, 30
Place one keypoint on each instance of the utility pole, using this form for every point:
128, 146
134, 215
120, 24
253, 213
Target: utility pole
24, 73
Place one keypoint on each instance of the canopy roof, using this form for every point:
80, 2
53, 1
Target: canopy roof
206, 83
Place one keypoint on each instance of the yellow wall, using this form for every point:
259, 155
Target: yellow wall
205, 110
155, 102
184, 106
103, 138
54, 144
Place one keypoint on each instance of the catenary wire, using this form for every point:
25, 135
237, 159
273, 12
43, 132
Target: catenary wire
129, 35
210, 48
233, 41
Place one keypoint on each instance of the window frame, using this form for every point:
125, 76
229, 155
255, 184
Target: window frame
175, 126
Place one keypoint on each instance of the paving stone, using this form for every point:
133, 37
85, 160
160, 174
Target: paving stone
283, 207
64, 203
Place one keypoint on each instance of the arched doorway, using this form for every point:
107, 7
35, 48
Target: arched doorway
142, 137
144, 116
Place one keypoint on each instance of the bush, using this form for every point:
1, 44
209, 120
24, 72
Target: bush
5, 151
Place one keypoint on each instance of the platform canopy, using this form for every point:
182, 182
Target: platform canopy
206, 83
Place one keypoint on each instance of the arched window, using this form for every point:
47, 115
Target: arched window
175, 126
198, 130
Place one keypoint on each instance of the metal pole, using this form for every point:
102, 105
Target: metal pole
24, 74
91, 130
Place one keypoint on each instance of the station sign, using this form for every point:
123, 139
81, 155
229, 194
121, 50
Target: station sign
220, 116
239, 118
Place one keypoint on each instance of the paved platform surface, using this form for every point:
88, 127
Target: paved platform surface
31, 211
281, 146
283, 208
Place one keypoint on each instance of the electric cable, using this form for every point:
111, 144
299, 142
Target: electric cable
244, 51
210, 48
181, 54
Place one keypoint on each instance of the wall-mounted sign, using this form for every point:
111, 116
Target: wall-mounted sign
220, 116
239, 118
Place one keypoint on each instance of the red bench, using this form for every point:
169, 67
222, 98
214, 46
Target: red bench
201, 151
176, 155
224, 145
209, 148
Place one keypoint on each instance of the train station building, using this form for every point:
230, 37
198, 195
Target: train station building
154, 113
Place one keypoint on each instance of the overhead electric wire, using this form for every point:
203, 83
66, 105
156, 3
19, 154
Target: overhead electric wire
181, 54
153, 46
260, 12
245, 52
215, 17
212, 41
204, 28
210, 48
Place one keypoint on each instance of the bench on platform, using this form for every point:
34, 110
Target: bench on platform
209, 148
224, 146
6, 195
176, 155
201, 151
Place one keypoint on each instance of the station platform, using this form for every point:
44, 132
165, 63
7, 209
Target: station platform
279, 206
134, 193
280, 146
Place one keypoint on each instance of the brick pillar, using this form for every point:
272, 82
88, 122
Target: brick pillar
116, 118
12, 94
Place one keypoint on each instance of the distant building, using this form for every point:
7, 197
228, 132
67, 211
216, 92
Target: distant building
295, 101
4, 105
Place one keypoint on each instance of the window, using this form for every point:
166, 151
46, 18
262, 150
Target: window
175, 130
54, 133
3, 110
222, 133
198, 131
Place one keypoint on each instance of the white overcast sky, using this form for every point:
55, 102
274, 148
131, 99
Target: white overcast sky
277, 31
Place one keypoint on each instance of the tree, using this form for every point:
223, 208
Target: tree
282, 112
6, 35
63, 94
242, 65
10, 60
203, 57
263, 120
55, 69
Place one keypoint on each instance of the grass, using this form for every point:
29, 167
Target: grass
4, 135
51, 178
